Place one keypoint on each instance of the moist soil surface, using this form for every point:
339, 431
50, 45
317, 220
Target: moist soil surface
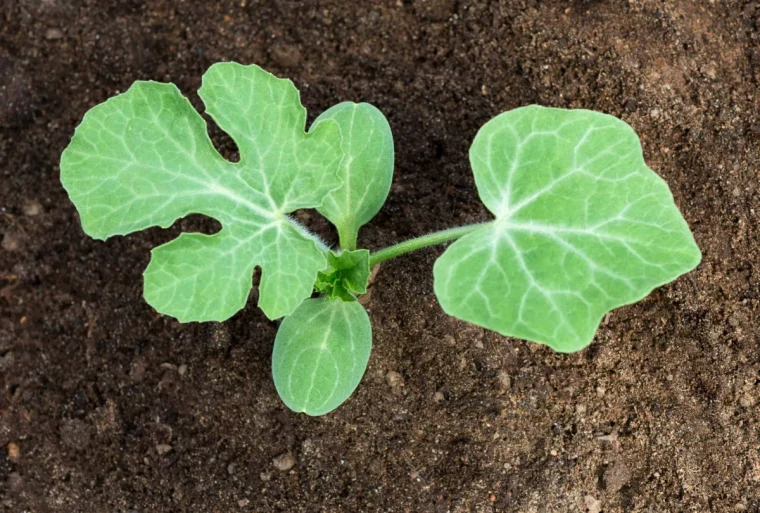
107, 406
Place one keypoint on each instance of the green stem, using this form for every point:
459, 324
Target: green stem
347, 239
422, 242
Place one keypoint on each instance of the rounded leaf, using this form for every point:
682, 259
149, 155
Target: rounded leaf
366, 170
320, 354
582, 226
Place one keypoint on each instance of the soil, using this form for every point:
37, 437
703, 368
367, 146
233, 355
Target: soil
107, 406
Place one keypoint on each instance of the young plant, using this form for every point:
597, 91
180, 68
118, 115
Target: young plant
581, 225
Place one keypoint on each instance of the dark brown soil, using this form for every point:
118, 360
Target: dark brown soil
106, 406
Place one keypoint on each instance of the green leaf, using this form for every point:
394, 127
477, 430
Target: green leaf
366, 172
347, 274
143, 158
320, 354
582, 226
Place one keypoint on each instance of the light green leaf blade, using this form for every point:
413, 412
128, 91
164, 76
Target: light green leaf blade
143, 158
366, 171
320, 354
582, 226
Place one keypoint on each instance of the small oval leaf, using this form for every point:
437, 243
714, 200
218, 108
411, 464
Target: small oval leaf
320, 354
582, 226
366, 169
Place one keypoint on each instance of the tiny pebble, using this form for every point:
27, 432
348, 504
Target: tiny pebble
505, 381
243, 503
32, 208
162, 449
182, 369
616, 476
284, 462
654, 113
11, 241
14, 452
394, 380
710, 70
54, 33
438, 397
592, 504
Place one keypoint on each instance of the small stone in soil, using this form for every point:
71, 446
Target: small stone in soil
162, 449
284, 462
11, 241
32, 208
592, 504
54, 33
395, 381
616, 476
243, 503
747, 401
505, 381
14, 452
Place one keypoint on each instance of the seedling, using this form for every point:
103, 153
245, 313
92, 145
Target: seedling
581, 225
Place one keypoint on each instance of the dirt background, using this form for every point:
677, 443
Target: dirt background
106, 406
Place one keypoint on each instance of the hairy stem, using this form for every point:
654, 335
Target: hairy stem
422, 242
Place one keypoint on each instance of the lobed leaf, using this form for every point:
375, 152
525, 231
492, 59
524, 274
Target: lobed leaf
366, 171
320, 354
582, 226
144, 158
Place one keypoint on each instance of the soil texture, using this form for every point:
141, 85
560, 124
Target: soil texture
106, 406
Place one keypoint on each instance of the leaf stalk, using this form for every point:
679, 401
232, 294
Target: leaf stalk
430, 239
